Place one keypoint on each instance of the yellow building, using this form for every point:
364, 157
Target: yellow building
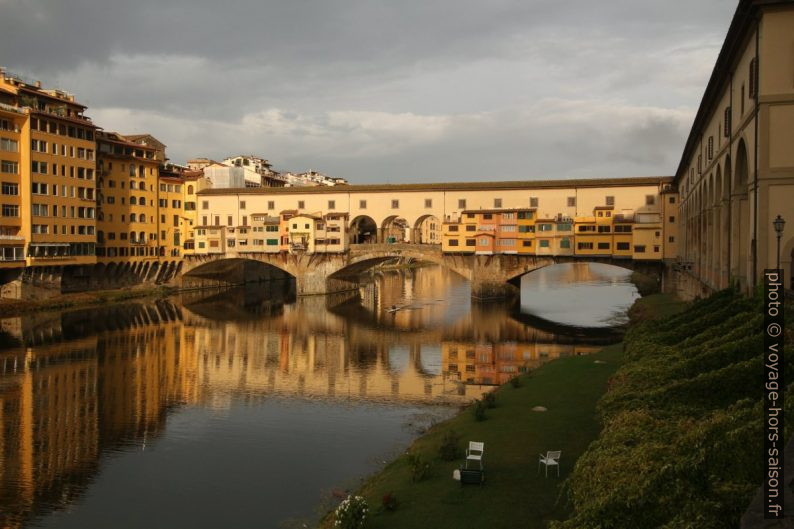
594, 232
128, 212
265, 235
194, 181
622, 236
12, 241
526, 232
170, 209
47, 165
545, 234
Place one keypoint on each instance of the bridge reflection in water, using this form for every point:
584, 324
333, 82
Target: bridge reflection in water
76, 384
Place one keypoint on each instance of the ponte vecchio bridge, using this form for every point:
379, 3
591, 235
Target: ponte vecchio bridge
417, 212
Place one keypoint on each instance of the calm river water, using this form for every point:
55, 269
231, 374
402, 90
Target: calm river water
249, 408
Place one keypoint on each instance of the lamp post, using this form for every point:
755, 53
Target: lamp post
779, 224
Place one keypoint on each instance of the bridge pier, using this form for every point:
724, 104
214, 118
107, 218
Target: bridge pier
493, 290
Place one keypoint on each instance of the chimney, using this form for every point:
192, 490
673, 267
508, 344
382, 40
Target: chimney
38, 84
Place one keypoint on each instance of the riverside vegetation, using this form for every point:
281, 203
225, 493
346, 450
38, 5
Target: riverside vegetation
674, 441
682, 437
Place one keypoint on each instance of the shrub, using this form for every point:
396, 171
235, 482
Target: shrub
351, 513
390, 502
515, 382
449, 449
419, 467
490, 399
479, 410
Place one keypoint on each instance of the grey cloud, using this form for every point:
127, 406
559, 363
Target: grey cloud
201, 74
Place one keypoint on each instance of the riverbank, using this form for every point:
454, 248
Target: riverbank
514, 495
15, 307
682, 437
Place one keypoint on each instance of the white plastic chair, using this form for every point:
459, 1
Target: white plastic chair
475, 452
551, 459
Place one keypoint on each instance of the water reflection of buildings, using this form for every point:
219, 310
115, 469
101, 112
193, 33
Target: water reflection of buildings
79, 384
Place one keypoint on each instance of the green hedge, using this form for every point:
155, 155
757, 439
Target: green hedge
682, 423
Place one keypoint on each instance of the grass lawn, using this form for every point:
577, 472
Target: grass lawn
514, 494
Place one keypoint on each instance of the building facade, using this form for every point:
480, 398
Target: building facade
737, 170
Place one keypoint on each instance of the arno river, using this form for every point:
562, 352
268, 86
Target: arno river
249, 408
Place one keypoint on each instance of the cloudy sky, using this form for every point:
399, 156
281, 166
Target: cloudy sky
386, 90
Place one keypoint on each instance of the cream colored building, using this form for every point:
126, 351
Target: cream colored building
737, 170
415, 205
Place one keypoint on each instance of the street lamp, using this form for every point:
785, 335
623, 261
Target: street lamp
779, 224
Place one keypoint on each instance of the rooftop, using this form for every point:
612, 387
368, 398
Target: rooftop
455, 186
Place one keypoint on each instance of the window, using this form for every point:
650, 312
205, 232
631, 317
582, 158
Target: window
584, 246
9, 145
471, 242
453, 242
672, 200
671, 219
603, 246
622, 246
10, 188
656, 249
604, 229
742, 100
301, 204
622, 228
428, 202
571, 202
362, 204
526, 243
471, 227
38, 188
10, 210
229, 220
533, 202
331, 204
610, 200
205, 204
544, 243
453, 227
395, 204
752, 91
461, 203
484, 241
545, 227
650, 200
272, 242
671, 239
711, 147
565, 242
727, 123
639, 248
9, 167
497, 202
39, 210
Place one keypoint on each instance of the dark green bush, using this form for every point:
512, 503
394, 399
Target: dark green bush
682, 423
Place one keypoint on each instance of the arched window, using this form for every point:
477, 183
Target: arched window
189, 190
133, 201
132, 217
142, 237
